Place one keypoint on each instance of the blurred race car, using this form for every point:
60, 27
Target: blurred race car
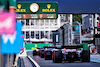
48, 53
41, 52
70, 53
36, 52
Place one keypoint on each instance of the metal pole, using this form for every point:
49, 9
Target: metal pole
1, 56
30, 31
0, 51
96, 23
80, 33
44, 28
71, 20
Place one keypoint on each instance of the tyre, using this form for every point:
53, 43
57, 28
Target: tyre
57, 56
85, 56
48, 55
53, 56
34, 53
42, 54
39, 52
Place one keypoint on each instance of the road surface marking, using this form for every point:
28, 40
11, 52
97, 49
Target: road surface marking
36, 64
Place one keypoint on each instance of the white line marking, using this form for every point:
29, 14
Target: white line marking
36, 64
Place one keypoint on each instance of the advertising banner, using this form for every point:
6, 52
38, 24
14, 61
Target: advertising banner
7, 23
12, 43
38, 9
77, 28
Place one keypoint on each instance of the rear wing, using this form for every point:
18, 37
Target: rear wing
67, 47
38, 48
72, 47
49, 47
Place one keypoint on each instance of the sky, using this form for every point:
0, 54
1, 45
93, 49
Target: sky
73, 6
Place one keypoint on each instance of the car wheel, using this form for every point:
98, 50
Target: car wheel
85, 56
57, 57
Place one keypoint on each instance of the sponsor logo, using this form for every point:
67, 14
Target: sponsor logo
7, 23
48, 9
9, 37
19, 8
11, 43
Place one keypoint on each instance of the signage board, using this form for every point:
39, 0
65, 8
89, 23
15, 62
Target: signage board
36, 16
7, 23
73, 6
42, 9
12, 43
34, 46
77, 28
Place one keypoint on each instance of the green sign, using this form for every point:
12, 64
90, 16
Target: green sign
42, 9
36, 45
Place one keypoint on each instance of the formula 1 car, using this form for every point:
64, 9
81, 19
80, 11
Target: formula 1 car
41, 52
70, 53
37, 51
34, 52
48, 53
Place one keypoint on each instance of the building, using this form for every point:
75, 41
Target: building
39, 30
87, 27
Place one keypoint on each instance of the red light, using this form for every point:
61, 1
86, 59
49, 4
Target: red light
22, 36
22, 50
64, 49
36, 56
21, 47
45, 48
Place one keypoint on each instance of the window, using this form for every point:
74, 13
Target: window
50, 35
32, 34
42, 34
55, 22
41, 22
32, 22
47, 22
37, 34
52, 23
22, 22
27, 34
46, 34
27, 21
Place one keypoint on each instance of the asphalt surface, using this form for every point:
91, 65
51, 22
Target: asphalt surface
25, 62
48, 63
21, 63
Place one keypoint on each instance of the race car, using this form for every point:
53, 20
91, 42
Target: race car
36, 52
41, 52
70, 53
48, 53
